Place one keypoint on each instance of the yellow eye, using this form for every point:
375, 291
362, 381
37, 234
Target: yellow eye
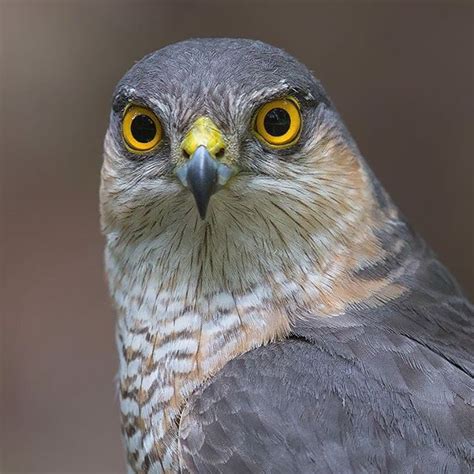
279, 122
141, 129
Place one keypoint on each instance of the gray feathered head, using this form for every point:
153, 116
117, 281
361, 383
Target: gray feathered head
231, 140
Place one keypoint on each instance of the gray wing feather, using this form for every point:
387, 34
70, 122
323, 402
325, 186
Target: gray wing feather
386, 389
383, 405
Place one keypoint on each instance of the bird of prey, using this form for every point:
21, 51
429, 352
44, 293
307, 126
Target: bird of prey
276, 313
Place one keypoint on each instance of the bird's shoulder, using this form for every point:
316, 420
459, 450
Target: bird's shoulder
431, 308
365, 400
385, 388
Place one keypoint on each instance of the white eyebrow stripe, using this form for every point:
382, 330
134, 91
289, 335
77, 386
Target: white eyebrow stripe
163, 107
268, 93
133, 96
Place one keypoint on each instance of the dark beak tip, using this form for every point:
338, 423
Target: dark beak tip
202, 212
202, 203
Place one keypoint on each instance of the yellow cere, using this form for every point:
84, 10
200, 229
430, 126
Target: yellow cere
278, 122
203, 132
141, 129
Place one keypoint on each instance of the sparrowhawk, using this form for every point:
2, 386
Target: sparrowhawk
276, 313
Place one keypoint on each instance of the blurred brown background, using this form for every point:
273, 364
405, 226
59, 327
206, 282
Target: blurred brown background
401, 74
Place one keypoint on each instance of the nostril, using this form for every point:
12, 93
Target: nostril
220, 153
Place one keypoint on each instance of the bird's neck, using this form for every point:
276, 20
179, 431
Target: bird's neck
181, 319
176, 329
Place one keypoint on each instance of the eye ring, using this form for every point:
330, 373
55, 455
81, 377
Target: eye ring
278, 122
141, 129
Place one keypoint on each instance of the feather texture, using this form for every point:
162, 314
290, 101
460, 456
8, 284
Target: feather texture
378, 390
303, 326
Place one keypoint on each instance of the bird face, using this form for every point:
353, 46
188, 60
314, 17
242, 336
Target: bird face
232, 135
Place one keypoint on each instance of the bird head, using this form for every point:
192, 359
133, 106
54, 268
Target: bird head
230, 141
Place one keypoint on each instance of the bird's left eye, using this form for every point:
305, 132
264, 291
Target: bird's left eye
278, 122
141, 129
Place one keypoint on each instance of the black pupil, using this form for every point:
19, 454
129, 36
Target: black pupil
277, 122
143, 129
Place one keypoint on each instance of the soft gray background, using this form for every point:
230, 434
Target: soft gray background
401, 74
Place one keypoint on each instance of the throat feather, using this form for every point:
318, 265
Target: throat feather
170, 343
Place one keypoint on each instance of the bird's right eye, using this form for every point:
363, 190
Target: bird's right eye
141, 129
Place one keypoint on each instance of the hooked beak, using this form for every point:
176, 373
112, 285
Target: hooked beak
203, 174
